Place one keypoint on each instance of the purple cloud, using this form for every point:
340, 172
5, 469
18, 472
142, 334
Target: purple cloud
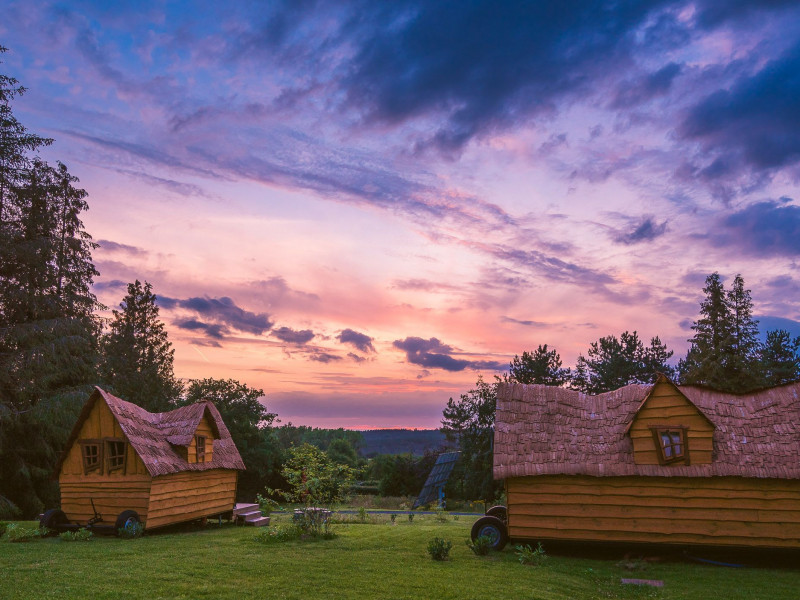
358, 340
291, 336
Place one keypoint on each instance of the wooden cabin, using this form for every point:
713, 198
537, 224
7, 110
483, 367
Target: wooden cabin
169, 467
651, 463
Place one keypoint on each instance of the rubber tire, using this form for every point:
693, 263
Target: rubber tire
125, 518
53, 518
494, 528
499, 511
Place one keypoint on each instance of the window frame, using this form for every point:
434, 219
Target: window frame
199, 456
98, 464
109, 468
682, 430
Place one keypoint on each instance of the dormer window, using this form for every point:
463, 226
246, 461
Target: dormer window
200, 448
92, 455
672, 444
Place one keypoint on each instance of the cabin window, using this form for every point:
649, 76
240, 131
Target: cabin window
115, 455
672, 444
92, 455
200, 448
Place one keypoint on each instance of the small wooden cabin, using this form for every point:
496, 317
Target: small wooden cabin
651, 463
168, 467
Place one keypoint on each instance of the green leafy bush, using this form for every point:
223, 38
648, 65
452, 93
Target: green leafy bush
410, 517
17, 533
266, 504
393, 517
81, 535
529, 556
362, 514
439, 548
131, 531
481, 545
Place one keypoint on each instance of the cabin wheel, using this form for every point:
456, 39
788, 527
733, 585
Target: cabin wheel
499, 511
494, 529
127, 518
53, 518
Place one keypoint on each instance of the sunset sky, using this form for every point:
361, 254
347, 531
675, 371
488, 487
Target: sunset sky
362, 206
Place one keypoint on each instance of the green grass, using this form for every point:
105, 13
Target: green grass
364, 561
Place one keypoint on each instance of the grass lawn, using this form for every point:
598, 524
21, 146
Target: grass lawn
365, 561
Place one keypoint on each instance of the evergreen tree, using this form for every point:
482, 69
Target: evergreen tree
724, 350
48, 332
612, 363
137, 355
780, 358
542, 366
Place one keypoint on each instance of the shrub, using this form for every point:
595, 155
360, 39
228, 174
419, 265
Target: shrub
17, 533
481, 546
3, 527
362, 514
131, 531
81, 535
441, 516
410, 517
393, 517
529, 556
266, 505
282, 533
439, 548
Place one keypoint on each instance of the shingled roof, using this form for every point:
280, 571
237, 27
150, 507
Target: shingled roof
155, 436
545, 430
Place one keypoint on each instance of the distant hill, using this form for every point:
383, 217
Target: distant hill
401, 441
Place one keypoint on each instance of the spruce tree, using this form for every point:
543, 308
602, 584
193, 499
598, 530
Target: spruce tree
780, 358
48, 331
138, 357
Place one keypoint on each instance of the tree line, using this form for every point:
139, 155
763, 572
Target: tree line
725, 353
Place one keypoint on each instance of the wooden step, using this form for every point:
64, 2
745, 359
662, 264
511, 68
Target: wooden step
241, 508
249, 515
258, 522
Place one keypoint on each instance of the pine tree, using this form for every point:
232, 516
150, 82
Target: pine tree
780, 358
137, 362
542, 366
742, 362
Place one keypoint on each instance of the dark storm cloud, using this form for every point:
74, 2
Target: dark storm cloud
358, 340
484, 66
754, 123
646, 230
761, 229
222, 312
433, 354
291, 336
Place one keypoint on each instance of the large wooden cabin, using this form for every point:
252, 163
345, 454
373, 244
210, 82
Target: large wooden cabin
167, 467
660, 463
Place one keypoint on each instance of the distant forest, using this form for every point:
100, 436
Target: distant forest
401, 441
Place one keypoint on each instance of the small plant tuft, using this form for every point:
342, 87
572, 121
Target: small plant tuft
280, 533
529, 556
439, 548
410, 517
81, 535
362, 514
131, 531
17, 533
481, 545
393, 517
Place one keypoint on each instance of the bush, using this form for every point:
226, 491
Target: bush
410, 517
529, 556
481, 546
266, 505
283, 533
131, 531
393, 517
3, 527
17, 533
439, 548
81, 535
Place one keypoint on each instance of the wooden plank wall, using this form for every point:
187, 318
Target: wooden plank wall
190, 495
667, 406
112, 493
682, 510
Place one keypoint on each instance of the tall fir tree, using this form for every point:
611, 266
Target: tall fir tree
724, 351
48, 331
138, 358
